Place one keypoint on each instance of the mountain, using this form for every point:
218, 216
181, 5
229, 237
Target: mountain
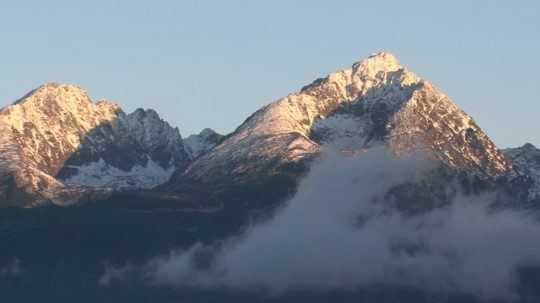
197, 207
201, 143
58, 146
375, 102
526, 161
138, 150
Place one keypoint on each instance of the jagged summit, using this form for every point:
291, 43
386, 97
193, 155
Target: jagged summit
59, 85
52, 98
375, 63
377, 101
55, 88
64, 95
141, 112
363, 75
56, 138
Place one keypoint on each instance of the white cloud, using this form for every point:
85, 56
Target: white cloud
331, 236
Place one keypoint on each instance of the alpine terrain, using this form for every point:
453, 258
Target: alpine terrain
377, 102
100, 205
58, 147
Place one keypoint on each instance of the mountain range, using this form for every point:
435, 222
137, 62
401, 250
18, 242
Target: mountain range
58, 147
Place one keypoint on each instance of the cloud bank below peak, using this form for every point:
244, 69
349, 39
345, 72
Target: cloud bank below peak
331, 235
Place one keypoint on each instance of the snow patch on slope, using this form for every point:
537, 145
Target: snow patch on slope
56, 133
101, 174
344, 131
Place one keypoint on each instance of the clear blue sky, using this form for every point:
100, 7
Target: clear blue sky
212, 63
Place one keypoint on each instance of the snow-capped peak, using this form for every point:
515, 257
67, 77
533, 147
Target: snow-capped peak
58, 138
377, 100
108, 106
63, 93
52, 120
376, 63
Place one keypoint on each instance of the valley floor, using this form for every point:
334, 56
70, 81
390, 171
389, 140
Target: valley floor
60, 255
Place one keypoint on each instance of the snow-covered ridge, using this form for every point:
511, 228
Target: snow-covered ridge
50, 122
376, 101
55, 138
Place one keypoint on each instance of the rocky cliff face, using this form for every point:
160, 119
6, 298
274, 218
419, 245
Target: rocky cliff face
526, 161
376, 102
199, 144
57, 146
135, 151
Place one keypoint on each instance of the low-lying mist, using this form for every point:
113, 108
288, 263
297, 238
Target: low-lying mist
332, 235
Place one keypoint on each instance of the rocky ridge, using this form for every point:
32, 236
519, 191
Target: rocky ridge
526, 162
57, 145
376, 102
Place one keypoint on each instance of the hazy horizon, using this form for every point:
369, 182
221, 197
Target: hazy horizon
202, 64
